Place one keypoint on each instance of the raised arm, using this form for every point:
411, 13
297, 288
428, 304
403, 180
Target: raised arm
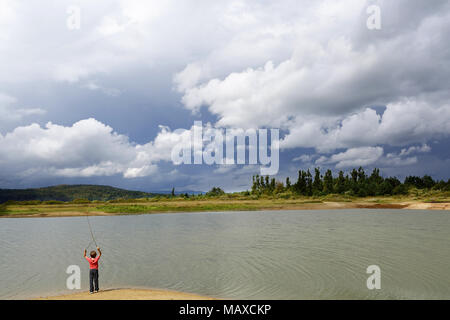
85, 253
99, 252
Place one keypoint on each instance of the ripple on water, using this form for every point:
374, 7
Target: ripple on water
252, 255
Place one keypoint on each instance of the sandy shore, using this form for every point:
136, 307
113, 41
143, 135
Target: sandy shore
130, 294
429, 206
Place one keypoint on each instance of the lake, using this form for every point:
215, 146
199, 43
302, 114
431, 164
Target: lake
320, 254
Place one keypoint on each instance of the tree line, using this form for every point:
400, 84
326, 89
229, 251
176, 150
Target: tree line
355, 183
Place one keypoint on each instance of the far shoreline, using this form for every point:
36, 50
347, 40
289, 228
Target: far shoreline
187, 206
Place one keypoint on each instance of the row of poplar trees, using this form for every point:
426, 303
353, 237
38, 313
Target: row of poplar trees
357, 183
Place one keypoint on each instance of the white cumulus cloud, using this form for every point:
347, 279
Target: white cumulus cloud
354, 157
85, 149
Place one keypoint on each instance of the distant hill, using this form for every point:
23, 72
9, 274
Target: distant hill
71, 192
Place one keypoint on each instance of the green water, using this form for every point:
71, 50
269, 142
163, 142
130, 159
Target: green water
245, 255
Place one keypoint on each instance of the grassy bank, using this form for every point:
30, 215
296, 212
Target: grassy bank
416, 199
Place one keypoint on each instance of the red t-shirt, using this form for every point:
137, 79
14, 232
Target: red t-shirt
93, 262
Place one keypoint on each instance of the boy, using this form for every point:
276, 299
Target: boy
93, 269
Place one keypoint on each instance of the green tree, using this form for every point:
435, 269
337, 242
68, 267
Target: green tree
309, 183
428, 182
317, 184
361, 175
401, 189
272, 185
300, 186
215, 192
328, 182
375, 177
354, 181
279, 188
288, 183
256, 186
262, 185
385, 188
340, 183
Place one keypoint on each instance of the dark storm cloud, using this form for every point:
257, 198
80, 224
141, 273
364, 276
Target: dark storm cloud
310, 68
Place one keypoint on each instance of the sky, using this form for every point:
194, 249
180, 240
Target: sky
93, 92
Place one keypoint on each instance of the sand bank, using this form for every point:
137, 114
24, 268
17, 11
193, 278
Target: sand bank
256, 205
130, 294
